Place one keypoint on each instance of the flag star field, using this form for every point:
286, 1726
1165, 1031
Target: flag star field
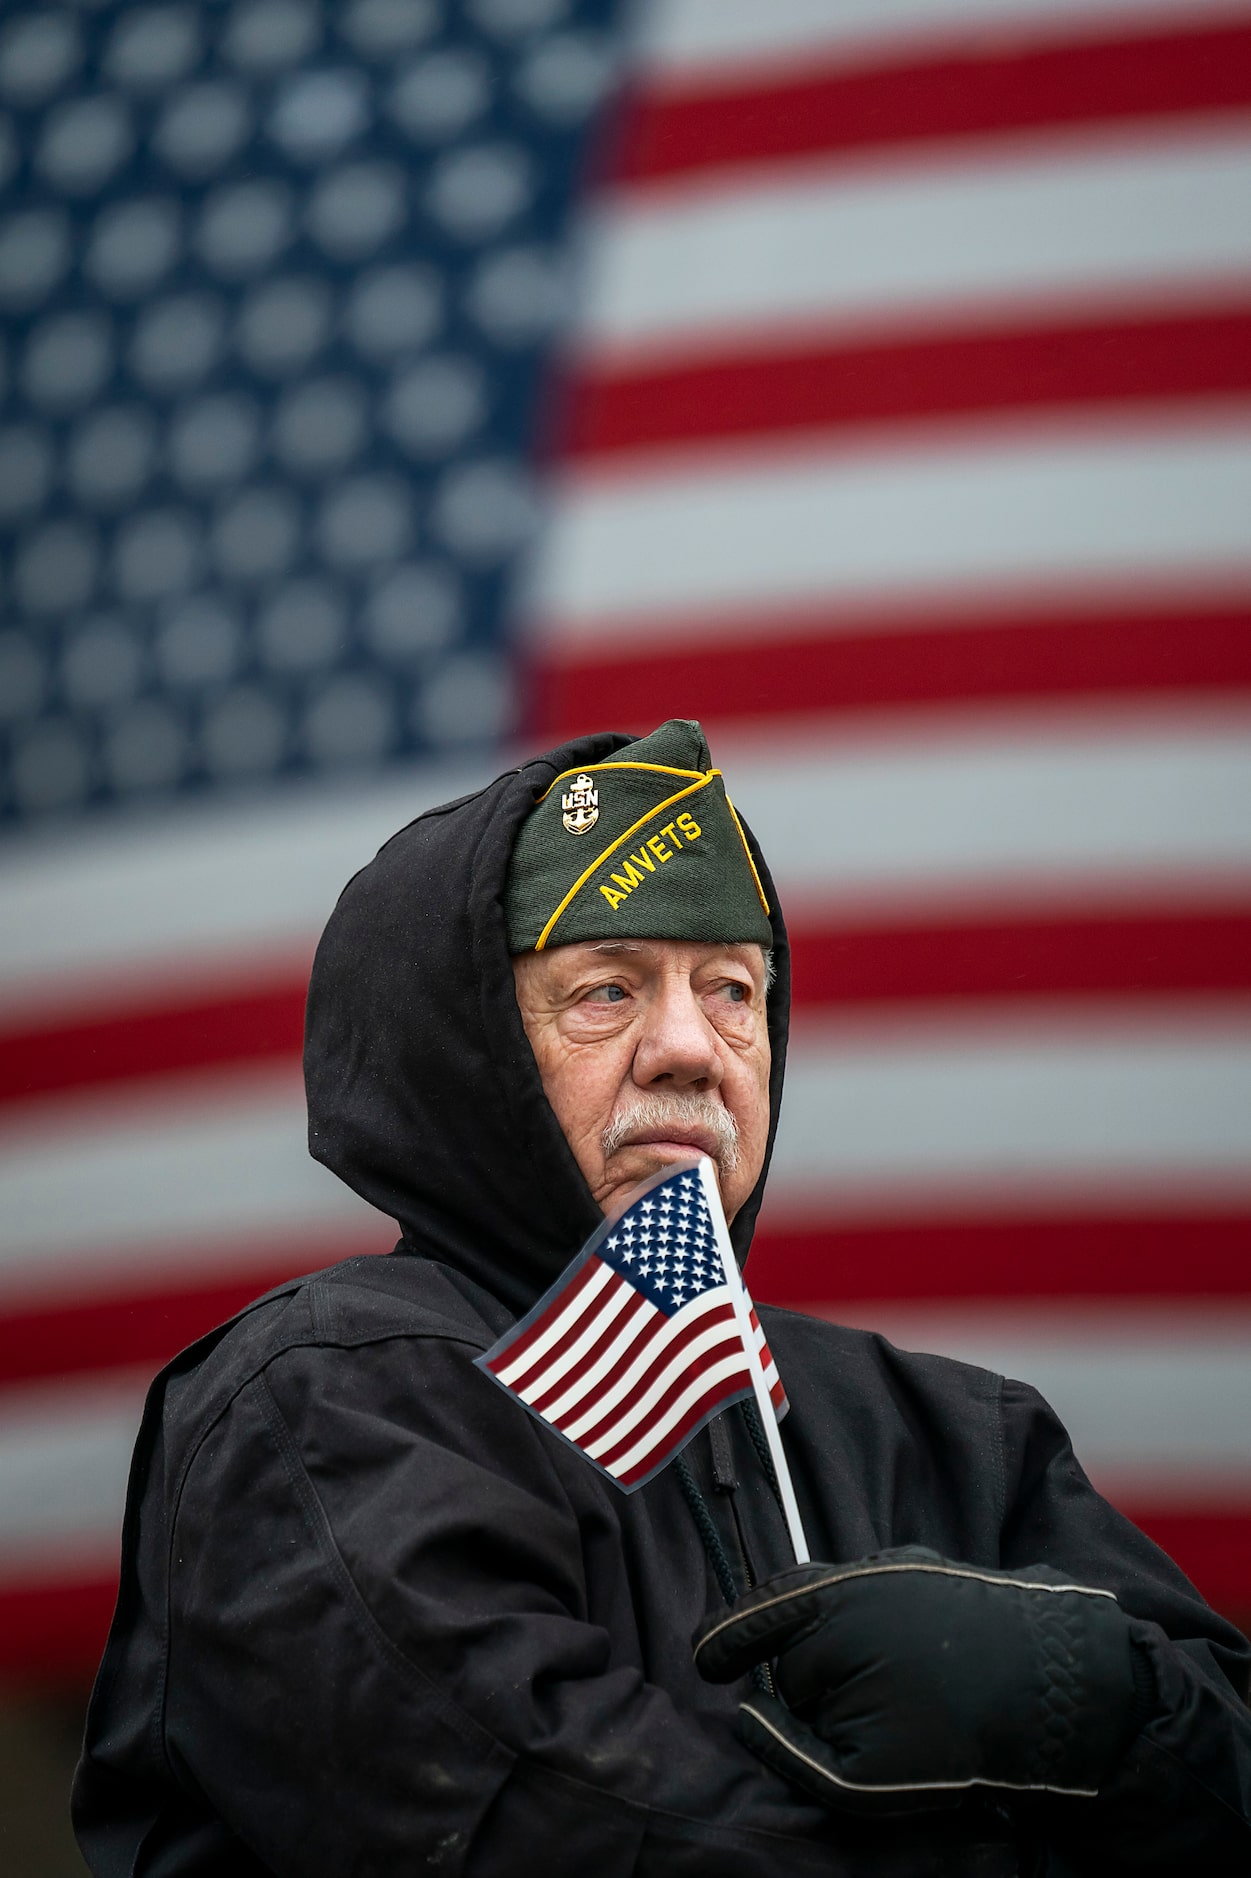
667, 1248
276, 282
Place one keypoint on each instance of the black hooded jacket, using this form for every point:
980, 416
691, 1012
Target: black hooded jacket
375, 1620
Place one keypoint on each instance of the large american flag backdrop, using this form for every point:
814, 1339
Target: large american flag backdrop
875, 374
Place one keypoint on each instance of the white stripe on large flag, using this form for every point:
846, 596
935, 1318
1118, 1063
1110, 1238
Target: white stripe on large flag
65, 1452
182, 893
84, 1184
1077, 799
1008, 505
683, 39
1157, 1399
680, 267
887, 1116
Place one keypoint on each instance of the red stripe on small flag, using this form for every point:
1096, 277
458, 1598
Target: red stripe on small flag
777, 1394
712, 1397
721, 1319
590, 1273
639, 1321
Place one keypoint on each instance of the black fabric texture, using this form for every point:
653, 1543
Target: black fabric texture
663, 858
374, 1619
920, 1673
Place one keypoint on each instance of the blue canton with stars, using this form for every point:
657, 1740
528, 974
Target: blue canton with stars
666, 1246
278, 283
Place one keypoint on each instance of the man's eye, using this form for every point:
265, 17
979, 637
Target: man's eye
737, 994
606, 994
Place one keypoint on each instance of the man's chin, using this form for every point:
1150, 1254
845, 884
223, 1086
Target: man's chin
640, 1159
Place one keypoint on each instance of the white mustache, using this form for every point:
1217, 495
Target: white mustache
665, 1111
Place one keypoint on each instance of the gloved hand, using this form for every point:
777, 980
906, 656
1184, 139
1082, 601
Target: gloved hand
908, 1678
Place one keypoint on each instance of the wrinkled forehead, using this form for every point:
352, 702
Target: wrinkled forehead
661, 955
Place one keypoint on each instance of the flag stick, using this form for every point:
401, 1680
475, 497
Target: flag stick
742, 1311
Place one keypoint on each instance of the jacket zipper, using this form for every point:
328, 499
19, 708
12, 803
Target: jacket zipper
725, 1479
766, 1669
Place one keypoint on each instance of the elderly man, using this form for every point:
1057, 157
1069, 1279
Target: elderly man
375, 1618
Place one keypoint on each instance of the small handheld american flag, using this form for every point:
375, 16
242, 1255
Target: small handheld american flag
646, 1336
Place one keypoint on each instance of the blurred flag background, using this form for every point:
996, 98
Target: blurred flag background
393, 386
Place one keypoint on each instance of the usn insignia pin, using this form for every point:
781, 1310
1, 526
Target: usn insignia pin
581, 806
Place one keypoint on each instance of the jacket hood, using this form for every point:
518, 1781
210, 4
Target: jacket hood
423, 1093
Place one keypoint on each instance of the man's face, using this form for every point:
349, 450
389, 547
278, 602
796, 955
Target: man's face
649, 1049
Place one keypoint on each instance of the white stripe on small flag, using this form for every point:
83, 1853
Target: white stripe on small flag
728, 1368
722, 1330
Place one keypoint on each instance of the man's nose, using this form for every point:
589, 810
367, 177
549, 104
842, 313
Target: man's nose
678, 1046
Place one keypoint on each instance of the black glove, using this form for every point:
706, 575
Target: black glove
908, 1679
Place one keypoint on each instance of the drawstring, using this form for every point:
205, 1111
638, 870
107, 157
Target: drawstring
714, 1549
759, 1441
718, 1557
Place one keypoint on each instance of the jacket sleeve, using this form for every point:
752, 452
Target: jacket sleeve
1180, 1799
380, 1657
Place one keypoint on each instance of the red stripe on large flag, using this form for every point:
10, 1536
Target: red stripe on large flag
793, 382
1056, 1253
1202, 946
161, 1033
998, 81
761, 665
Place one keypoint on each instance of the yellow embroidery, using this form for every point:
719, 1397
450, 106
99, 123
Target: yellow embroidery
700, 782
747, 851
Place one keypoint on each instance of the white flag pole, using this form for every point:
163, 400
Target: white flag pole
764, 1402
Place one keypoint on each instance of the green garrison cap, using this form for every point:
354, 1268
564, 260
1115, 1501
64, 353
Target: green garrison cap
643, 846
